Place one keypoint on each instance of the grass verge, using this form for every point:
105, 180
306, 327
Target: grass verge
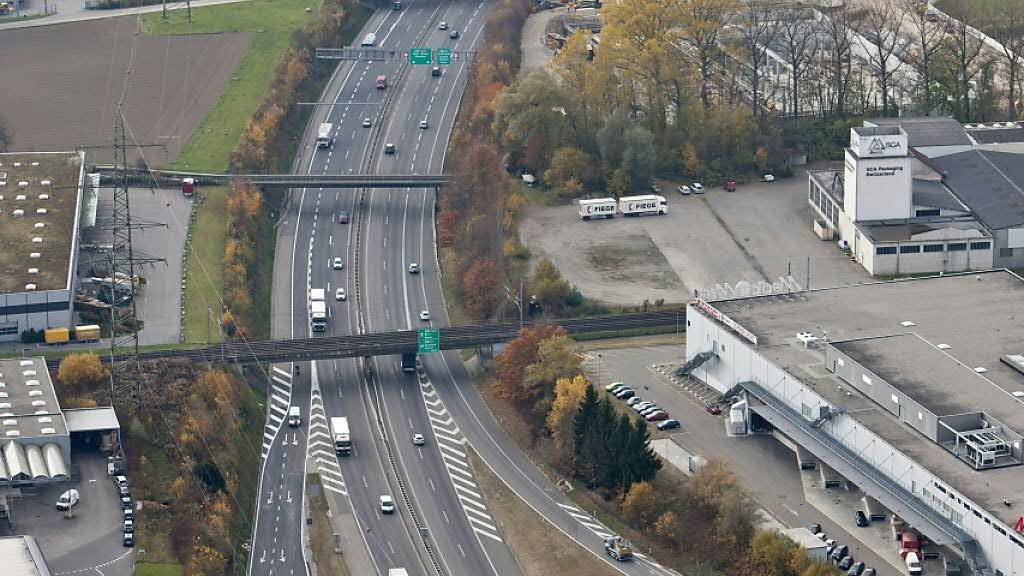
271, 24
321, 536
525, 531
147, 569
204, 257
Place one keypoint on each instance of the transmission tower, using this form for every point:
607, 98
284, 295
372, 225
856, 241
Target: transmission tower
124, 261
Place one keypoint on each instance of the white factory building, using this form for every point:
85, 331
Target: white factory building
925, 195
913, 390
40, 207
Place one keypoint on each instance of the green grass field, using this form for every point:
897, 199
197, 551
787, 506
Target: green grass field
147, 569
271, 24
204, 256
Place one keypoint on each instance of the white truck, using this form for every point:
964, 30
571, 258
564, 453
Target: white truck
318, 309
398, 572
341, 435
323, 135
294, 416
640, 205
370, 39
597, 208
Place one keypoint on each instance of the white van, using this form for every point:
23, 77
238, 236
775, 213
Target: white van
67, 500
913, 564
370, 39
294, 416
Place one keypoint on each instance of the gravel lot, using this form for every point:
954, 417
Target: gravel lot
62, 84
759, 233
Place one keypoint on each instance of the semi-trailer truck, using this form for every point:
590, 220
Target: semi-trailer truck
640, 205
318, 309
341, 435
323, 136
597, 208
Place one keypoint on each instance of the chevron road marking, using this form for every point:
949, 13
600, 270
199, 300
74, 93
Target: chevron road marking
320, 447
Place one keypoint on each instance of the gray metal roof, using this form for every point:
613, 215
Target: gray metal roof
928, 130
997, 134
91, 419
935, 195
22, 557
990, 183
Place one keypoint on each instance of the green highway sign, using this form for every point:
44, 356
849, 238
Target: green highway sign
420, 55
444, 55
427, 340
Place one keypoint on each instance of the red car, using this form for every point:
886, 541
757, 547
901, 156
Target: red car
712, 408
657, 416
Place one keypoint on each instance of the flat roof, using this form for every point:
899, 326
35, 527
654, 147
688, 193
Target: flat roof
924, 231
979, 315
22, 556
38, 188
990, 183
997, 133
91, 419
28, 400
926, 131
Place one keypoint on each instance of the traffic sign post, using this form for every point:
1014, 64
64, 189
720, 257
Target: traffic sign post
444, 55
420, 55
427, 340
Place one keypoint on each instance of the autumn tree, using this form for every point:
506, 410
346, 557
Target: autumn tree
757, 30
81, 373
799, 42
513, 361
772, 554
570, 165
641, 506
549, 288
702, 23
836, 27
482, 288
556, 358
531, 120
568, 395
669, 528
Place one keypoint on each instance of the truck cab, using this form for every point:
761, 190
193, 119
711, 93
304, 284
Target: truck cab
408, 361
618, 548
294, 416
323, 137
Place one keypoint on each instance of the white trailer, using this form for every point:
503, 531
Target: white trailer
341, 435
640, 205
398, 572
318, 315
317, 295
323, 135
597, 208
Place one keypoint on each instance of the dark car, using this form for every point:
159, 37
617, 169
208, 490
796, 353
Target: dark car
856, 570
625, 394
435, 71
129, 540
126, 503
861, 519
668, 425
840, 552
869, 572
846, 563
123, 491
343, 217
815, 528
453, 34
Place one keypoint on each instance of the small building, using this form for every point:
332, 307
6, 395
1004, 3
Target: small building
40, 204
22, 557
814, 546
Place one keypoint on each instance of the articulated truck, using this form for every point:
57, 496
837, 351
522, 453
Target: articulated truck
317, 309
627, 206
341, 435
323, 136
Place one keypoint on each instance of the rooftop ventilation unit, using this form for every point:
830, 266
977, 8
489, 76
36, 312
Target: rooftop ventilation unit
943, 346
30, 287
31, 382
907, 324
22, 183
19, 213
5, 406
26, 363
35, 393
44, 196
981, 369
10, 422
45, 420
28, 372
44, 182
37, 240
39, 402
19, 197
40, 210
35, 255
13, 433
48, 431
35, 163
33, 270
16, 164
38, 225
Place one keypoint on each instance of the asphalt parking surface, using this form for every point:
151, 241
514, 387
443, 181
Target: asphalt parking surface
92, 537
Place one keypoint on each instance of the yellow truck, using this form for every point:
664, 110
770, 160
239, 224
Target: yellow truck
87, 333
56, 335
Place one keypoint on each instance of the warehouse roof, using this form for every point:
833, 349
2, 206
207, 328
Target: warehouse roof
39, 201
928, 130
977, 315
28, 399
990, 183
998, 133
91, 419
22, 556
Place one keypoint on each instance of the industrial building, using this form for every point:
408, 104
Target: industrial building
924, 195
40, 204
912, 390
22, 557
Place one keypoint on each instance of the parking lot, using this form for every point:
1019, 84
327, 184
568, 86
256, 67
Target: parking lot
92, 536
767, 470
758, 233
159, 299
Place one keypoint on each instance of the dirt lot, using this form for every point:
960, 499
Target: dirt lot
759, 233
62, 84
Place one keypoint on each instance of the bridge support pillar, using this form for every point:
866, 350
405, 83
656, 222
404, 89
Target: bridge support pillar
829, 477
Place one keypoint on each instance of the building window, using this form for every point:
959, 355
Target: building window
978, 514
1000, 530
940, 488
885, 250
928, 212
933, 248
910, 249
9, 329
805, 411
958, 246
980, 245
1005, 252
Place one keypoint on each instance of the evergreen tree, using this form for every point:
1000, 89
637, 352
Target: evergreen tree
640, 461
584, 466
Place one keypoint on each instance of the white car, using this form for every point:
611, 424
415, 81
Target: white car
339, 294
67, 500
697, 188
424, 125
367, 123
443, 25
387, 505
417, 440
338, 264
684, 190
414, 268
425, 316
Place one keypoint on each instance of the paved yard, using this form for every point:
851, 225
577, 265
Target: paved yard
759, 233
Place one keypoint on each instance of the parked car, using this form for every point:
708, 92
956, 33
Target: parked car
121, 481
67, 500
129, 540
684, 190
712, 408
697, 188
625, 394
668, 425
129, 514
656, 188
650, 410
611, 388
830, 547
815, 528
729, 185
126, 503
387, 505
129, 526
634, 401
861, 519
846, 563
657, 416
856, 569
869, 572
839, 553
123, 491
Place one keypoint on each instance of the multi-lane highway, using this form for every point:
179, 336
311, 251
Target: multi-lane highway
442, 524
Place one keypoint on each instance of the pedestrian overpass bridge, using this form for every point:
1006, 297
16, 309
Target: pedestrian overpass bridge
175, 178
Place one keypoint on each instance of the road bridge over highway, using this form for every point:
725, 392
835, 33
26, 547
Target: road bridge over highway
173, 179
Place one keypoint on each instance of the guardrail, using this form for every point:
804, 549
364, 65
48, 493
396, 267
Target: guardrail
164, 177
